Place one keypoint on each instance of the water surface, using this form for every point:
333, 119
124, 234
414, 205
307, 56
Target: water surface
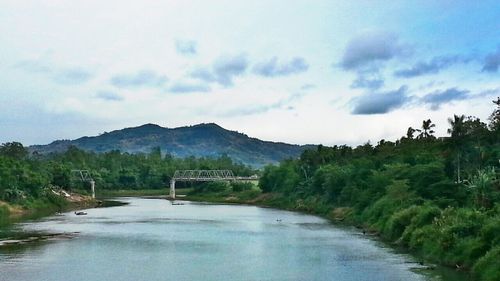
151, 239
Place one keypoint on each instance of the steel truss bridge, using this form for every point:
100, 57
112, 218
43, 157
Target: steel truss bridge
205, 175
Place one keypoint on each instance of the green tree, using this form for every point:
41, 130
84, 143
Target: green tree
61, 175
13, 150
481, 185
410, 133
457, 132
426, 132
495, 117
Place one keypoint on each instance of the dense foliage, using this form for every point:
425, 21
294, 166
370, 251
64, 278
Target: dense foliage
437, 197
24, 177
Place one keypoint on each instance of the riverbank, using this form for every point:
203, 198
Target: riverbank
44, 206
67, 201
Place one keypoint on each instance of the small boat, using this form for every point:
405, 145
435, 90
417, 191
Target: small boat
278, 220
81, 213
174, 203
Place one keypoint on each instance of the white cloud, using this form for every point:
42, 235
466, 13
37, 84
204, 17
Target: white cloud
371, 47
185, 87
108, 62
143, 78
186, 47
273, 67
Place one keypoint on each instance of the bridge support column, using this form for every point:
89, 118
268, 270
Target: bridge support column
92, 187
172, 189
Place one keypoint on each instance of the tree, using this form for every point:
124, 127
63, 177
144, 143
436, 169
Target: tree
495, 117
61, 175
410, 133
457, 126
457, 132
13, 150
481, 186
13, 193
268, 181
426, 132
155, 154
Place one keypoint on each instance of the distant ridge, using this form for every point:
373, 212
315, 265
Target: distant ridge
202, 140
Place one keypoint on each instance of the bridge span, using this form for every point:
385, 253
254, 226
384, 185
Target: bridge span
205, 175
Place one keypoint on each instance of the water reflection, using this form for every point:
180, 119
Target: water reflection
150, 239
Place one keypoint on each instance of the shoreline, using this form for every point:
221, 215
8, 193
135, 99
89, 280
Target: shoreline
43, 207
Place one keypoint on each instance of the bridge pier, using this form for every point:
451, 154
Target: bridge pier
172, 189
92, 187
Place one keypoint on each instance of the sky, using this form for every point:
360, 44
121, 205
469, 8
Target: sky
302, 72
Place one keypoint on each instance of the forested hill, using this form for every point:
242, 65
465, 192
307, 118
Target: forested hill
203, 140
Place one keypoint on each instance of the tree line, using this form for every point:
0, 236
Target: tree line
24, 176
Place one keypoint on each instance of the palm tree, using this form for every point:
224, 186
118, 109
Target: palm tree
426, 132
410, 133
457, 129
457, 132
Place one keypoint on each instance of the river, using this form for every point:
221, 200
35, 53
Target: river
151, 239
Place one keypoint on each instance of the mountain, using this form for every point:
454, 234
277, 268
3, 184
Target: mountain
208, 140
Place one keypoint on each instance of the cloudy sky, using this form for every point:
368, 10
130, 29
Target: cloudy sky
330, 72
